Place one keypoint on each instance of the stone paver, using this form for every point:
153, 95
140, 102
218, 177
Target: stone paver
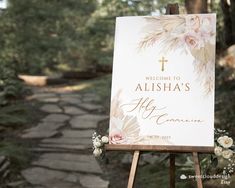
16, 183
40, 176
91, 181
65, 134
64, 140
86, 121
43, 130
66, 146
62, 184
70, 140
51, 108
46, 149
78, 134
60, 118
90, 95
49, 100
90, 99
46, 126
73, 110
40, 134
56, 179
2, 159
42, 95
69, 162
72, 95
91, 106
70, 100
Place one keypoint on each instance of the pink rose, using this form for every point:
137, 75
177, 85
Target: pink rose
191, 41
117, 138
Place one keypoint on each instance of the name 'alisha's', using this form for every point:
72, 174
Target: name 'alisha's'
163, 87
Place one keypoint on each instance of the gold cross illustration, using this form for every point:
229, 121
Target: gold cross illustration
162, 61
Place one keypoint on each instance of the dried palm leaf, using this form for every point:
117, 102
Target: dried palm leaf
155, 140
116, 110
150, 39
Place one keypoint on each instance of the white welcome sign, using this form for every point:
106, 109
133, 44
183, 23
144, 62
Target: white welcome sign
163, 80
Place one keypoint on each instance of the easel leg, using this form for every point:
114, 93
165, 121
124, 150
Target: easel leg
197, 169
172, 171
133, 169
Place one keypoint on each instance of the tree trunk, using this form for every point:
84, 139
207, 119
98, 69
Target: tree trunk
228, 30
196, 6
172, 8
232, 16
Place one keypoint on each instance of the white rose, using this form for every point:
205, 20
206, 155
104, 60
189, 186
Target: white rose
97, 143
97, 152
225, 141
105, 139
227, 154
218, 151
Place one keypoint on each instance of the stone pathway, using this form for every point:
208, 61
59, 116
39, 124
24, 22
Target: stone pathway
64, 135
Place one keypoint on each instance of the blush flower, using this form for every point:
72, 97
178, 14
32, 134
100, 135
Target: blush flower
117, 138
116, 135
125, 130
191, 41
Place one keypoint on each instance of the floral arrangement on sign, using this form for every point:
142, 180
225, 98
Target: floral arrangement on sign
224, 149
193, 34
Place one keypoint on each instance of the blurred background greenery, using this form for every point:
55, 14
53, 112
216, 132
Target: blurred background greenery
41, 37
44, 37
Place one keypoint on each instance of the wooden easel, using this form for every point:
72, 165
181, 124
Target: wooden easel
170, 9
162, 149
